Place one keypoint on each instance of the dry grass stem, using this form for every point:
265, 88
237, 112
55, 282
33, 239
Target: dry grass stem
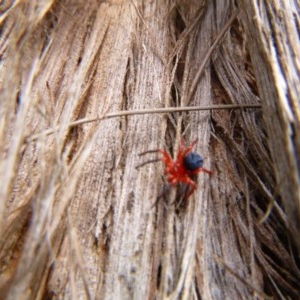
142, 112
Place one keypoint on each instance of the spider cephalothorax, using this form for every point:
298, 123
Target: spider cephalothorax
185, 165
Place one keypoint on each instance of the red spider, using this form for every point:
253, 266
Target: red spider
182, 169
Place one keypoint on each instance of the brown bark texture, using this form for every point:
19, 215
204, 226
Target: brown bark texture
83, 87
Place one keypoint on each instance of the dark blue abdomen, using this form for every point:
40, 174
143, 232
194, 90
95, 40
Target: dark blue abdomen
193, 161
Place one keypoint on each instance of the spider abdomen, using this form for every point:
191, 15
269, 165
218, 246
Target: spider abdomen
193, 161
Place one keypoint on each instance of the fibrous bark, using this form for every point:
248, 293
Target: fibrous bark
78, 219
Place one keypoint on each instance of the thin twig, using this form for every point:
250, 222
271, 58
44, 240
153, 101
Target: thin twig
123, 113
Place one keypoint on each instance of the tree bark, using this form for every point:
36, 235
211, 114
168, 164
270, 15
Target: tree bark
79, 219
273, 33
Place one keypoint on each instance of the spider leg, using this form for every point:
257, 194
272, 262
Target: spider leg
193, 187
189, 148
182, 152
148, 162
151, 160
183, 189
200, 170
192, 184
165, 190
205, 171
166, 158
149, 151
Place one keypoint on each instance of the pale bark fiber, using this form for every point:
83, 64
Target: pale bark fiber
273, 32
78, 219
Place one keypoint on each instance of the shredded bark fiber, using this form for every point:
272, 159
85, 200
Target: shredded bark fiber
78, 220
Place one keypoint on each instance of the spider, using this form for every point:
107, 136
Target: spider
183, 168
